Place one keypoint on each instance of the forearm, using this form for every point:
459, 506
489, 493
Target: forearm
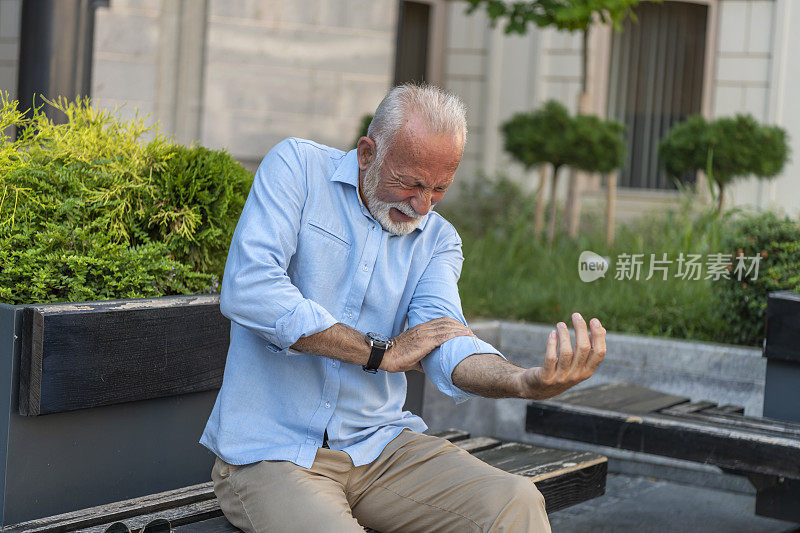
337, 342
488, 375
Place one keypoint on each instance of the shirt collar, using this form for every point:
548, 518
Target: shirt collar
347, 172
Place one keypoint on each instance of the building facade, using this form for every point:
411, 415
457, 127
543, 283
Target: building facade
243, 74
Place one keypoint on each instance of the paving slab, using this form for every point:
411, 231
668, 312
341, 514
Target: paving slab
655, 506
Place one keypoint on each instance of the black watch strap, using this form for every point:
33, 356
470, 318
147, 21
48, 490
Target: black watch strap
375, 359
378, 344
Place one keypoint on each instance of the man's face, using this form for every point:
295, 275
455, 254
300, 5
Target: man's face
416, 171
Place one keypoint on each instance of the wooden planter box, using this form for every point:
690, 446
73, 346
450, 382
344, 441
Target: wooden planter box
105, 401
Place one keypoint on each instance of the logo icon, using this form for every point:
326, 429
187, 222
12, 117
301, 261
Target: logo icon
592, 266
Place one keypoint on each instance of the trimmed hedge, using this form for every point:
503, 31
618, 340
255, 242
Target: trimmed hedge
93, 210
743, 303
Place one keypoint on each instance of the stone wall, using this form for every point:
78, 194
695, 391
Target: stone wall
307, 68
253, 71
10, 17
742, 74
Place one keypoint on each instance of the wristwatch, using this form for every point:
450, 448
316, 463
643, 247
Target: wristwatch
379, 344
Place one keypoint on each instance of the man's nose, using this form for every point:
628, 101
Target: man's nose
421, 202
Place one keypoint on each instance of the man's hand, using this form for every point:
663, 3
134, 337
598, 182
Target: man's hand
415, 343
564, 367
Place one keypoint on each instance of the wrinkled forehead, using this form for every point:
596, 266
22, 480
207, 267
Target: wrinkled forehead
417, 145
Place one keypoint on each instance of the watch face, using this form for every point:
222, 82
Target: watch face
378, 338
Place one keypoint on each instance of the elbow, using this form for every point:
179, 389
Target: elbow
226, 303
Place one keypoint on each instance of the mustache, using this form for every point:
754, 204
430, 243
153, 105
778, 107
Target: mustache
406, 209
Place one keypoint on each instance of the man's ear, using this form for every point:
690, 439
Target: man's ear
366, 151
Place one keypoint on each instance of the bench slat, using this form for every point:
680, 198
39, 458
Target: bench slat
149, 505
563, 477
212, 525
452, 434
685, 408
89, 354
616, 396
736, 442
477, 444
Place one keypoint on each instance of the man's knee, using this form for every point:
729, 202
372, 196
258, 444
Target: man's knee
516, 505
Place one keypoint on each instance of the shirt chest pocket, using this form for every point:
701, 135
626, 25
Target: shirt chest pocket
334, 236
320, 265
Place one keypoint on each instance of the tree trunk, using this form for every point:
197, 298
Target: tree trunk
551, 226
720, 199
611, 206
572, 208
538, 215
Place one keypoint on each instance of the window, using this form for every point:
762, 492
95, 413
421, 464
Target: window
656, 80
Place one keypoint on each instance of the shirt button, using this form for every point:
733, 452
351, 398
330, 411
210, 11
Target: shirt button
350, 314
333, 364
365, 268
327, 405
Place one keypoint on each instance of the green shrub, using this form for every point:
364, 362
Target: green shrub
726, 149
201, 193
743, 303
91, 210
510, 274
363, 126
487, 205
545, 135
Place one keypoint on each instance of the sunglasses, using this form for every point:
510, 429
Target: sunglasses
159, 525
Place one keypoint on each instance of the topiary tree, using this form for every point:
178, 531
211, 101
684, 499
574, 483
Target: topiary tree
564, 15
726, 148
551, 135
600, 147
540, 137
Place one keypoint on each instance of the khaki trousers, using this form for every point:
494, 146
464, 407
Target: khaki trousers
418, 483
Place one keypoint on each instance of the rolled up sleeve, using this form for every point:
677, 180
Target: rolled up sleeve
436, 296
256, 291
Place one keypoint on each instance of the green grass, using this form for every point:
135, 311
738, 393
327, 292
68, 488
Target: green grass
510, 274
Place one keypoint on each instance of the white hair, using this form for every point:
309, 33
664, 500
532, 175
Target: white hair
444, 113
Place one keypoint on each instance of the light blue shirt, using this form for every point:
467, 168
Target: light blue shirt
305, 255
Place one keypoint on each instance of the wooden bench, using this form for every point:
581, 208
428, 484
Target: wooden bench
105, 402
564, 478
635, 418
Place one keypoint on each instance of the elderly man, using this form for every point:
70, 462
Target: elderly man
333, 255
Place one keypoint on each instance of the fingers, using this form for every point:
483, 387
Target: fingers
598, 344
550, 357
582, 344
564, 348
417, 342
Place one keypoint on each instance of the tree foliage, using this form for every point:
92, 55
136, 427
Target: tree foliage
91, 209
567, 15
726, 148
545, 135
599, 144
551, 135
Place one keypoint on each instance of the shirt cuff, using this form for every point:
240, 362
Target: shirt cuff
450, 353
307, 318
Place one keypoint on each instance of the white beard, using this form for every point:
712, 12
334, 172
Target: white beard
380, 210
